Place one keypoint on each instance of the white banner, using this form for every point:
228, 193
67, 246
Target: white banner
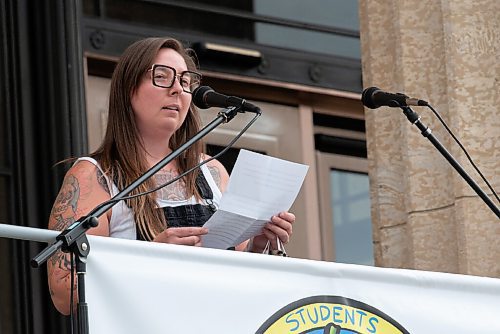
140, 287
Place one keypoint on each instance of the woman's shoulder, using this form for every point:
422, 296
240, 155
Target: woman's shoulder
83, 164
87, 172
218, 171
85, 169
213, 162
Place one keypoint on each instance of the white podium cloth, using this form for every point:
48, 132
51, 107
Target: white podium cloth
140, 287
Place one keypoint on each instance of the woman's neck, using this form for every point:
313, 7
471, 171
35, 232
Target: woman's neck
155, 149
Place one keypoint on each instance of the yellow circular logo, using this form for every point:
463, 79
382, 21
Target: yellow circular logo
330, 315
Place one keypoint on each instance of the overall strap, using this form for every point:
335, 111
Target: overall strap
203, 186
205, 191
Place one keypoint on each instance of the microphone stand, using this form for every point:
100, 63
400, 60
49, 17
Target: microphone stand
74, 239
414, 118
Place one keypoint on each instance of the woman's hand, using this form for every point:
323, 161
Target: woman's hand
190, 236
280, 227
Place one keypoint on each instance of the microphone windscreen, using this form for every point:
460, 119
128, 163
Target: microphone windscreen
367, 97
199, 96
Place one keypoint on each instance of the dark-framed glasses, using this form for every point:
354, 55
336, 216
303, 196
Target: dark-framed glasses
164, 76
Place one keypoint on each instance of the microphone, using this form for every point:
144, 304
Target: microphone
374, 97
205, 97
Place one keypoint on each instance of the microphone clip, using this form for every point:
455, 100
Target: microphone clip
229, 113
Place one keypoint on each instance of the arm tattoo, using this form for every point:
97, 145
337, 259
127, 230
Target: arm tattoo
102, 181
62, 223
215, 174
68, 196
59, 259
63, 215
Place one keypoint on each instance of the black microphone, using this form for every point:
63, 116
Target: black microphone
374, 97
205, 97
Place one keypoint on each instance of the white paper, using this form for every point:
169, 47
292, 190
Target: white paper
260, 186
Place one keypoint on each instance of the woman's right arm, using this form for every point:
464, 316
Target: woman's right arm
84, 187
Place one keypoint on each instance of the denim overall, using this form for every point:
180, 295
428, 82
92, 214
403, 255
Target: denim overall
191, 215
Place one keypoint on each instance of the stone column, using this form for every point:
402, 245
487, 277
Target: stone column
425, 216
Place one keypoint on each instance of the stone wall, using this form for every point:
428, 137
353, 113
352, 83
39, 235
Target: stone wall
446, 52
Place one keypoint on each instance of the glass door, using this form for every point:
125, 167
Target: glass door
346, 230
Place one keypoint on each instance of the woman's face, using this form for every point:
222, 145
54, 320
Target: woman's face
159, 111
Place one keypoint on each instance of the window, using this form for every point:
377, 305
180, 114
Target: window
340, 16
352, 229
313, 42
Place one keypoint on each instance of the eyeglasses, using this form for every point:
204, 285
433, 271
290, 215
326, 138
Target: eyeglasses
164, 76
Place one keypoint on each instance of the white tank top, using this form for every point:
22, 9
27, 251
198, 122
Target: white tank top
122, 224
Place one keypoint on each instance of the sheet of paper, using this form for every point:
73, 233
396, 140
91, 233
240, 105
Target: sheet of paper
260, 186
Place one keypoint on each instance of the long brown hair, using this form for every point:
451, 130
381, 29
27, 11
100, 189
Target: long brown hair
121, 153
